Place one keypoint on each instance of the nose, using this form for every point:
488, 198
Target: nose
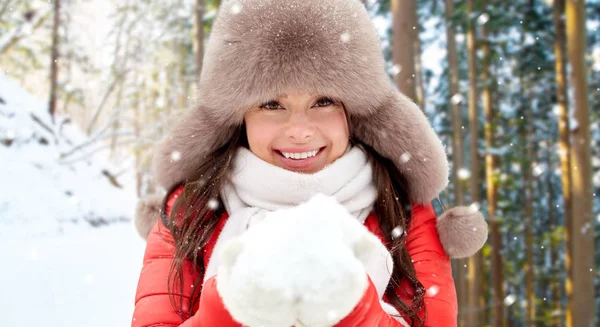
300, 128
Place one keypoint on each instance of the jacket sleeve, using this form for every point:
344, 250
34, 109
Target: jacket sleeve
152, 302
433, 268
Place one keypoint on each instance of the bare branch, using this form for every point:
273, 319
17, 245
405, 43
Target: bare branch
88, 154
92, 141
12, 38
41, 123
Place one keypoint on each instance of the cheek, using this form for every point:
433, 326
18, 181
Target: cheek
260, 135
336, 130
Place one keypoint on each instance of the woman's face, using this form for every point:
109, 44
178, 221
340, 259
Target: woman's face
299, 132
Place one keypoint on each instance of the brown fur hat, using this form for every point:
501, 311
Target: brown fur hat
260, 49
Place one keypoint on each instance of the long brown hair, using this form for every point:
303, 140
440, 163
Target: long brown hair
192, 230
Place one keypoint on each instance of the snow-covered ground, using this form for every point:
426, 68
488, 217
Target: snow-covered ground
68, 250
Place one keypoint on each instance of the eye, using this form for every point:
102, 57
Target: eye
271, 105
324, 102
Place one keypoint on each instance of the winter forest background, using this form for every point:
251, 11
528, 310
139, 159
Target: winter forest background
88, 87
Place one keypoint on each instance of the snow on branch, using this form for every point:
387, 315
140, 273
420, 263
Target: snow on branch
11, 38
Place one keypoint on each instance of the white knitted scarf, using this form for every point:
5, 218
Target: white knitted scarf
257, 187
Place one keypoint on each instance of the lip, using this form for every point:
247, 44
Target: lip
298, 150
299, 164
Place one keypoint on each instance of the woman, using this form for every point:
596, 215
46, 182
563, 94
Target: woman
293, 101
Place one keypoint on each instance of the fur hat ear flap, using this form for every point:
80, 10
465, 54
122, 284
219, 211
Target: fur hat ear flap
400, 131
147, 213
463, 231
186, 146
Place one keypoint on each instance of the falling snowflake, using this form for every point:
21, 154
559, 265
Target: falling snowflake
464, 174
345, 37
397, 232
481, 20
88, 279
433, 290
396, 69
503, 177
405, 157
510, 300
556, 109
562, 152
160, 102
585, 228
474, 207
236, 8
457, 98
332, 315
596, 59
213, 204
574, 124
10, 134
175, 155
538, 170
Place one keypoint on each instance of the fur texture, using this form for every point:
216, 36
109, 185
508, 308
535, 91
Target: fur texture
260, 49
463, 231
147, 212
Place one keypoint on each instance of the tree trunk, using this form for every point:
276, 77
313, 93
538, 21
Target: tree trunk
527, 139
475, 263
565, 143
554, 280
490, 162
54, 60
455, 100
580, 310
199, 37
420, 87
404, 31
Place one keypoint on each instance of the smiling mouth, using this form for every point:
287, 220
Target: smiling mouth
300, 155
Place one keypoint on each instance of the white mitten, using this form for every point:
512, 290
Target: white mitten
302, 266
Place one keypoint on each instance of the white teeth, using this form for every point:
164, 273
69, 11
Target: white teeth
302, 155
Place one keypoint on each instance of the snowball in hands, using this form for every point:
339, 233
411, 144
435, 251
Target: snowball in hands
302, 266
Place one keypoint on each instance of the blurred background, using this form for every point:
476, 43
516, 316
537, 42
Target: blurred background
87, 88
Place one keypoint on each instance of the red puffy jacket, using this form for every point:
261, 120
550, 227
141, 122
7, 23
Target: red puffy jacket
153, 305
